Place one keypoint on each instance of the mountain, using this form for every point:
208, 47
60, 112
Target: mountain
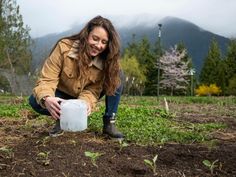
174, 30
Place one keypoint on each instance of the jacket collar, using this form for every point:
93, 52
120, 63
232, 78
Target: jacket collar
97, 61
74, 50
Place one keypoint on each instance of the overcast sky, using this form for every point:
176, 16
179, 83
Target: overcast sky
52, 16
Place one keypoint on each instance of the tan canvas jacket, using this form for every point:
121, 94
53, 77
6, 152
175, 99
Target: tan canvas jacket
60, 72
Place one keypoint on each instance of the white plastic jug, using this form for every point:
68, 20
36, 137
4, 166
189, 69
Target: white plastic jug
73, 115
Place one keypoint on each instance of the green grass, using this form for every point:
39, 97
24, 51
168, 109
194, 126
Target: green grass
9, 109
204, 100
141, 119
144, 125
150, 101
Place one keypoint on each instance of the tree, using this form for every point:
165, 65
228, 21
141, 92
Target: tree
14, 39
174, 70
231, 60
145, 57
181, 47
231, 89
134, 73
210, 73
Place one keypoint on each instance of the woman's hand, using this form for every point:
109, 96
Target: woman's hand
52, 104
88, 109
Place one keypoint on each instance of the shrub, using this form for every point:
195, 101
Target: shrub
204, 90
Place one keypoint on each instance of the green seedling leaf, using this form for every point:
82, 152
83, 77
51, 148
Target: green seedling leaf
122, 144
210, 165
46, 162
42, 154
152, 164
155, 159
206, 163
6, 149
93, 156
148, 162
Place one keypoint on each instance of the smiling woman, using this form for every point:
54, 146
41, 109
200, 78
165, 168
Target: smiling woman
97, 41
84, 66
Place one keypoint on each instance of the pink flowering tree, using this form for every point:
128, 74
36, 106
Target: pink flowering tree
175, 71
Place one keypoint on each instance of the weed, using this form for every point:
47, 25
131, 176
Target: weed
93, 156
43, 140
6, 150
43, 157
152, 164
123, 144
210, 165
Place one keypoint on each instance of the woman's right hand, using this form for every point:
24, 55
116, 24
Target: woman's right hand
52, 104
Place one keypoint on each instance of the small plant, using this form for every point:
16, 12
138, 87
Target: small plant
152, 164
43, 141
44, 157
93, 156
210, 165
122, 144
6, 150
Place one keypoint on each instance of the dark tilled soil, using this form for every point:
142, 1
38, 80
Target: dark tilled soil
28, 151
66, 158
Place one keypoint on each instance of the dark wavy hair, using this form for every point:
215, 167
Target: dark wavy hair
111, 54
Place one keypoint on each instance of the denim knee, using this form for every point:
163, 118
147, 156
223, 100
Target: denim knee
36, 107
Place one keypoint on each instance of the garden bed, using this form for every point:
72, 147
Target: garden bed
26, 149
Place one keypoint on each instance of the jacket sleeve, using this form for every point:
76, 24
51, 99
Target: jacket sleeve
49, 76
91, 93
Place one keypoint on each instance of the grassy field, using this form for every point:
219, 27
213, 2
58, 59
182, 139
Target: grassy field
145, 120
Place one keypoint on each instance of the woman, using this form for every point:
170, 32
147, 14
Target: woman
84, 66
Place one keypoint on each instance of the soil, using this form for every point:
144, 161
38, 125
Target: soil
30, 152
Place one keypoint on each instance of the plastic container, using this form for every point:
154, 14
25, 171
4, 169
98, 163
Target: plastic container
73, 115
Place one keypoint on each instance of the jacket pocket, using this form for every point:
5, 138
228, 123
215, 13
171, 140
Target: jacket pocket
95, 75
68, 73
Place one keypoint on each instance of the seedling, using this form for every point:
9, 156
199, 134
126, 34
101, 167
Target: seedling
152, 164
93, 156
210, 165
6, 150
44, 156
44, 140
122, 144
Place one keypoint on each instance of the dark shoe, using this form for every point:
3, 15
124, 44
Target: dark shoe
56, 130
110, 129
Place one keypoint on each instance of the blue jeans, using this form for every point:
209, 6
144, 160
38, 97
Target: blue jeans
111, 102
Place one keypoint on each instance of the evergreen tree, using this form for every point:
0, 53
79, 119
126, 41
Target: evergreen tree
210, 70
230, 64
231, 89
221, 76
142, 51
231, 59
14, 38
132, 48
181, 47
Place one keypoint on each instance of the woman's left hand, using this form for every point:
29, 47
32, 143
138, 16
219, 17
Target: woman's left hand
88, 109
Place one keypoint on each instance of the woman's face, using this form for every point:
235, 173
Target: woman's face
97, 41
